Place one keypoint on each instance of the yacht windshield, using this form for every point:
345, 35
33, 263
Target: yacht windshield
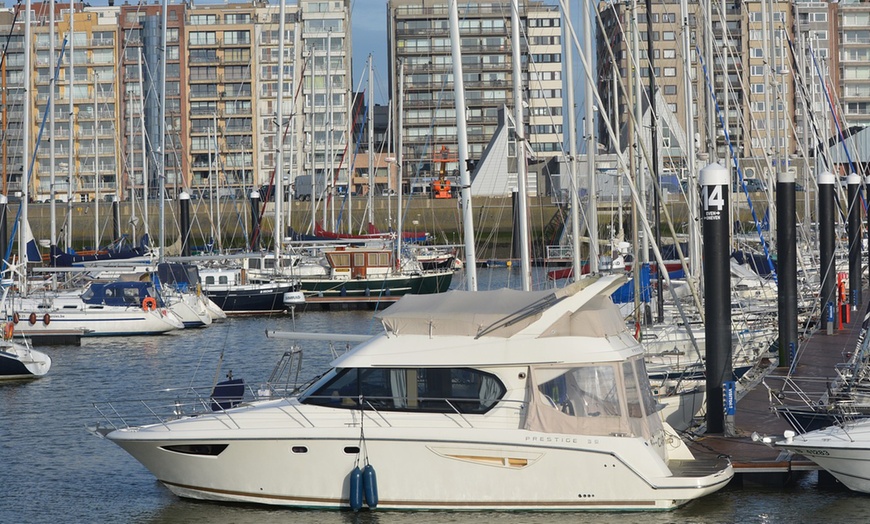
441, 390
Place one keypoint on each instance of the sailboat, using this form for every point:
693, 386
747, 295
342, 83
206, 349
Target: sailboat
19, 360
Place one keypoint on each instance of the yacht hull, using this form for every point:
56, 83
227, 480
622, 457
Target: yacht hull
374, 289
844, 453
20, 363
249, 298
461, 469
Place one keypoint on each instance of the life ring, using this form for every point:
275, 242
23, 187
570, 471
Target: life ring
149, 303
46, 319
8, 330
15, 318
32, 319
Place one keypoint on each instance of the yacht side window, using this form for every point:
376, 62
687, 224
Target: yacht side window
605, 398
589, 391
410, 389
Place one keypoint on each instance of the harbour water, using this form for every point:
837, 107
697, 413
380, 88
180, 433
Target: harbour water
55, 471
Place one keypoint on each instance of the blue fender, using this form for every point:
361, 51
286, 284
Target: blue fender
370, 486
356, 489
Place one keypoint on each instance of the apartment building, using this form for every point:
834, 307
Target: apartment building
814, 30
12, 101
742, 97
419, 41
199, 115
325, 120
850, 66
145, 96
623, 76
269, 81
81, 152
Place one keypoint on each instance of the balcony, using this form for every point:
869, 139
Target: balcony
204, 78
205, 111
203, 96
200, 60
209, 43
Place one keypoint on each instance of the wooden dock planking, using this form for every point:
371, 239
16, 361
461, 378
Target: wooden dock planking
818, 358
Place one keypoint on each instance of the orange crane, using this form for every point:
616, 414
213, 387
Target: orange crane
441, 187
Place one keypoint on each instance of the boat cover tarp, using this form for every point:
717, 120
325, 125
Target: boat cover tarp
757, 261
500, 313
597, 318
466, 313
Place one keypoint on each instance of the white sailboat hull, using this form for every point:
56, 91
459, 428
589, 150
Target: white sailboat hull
105, 322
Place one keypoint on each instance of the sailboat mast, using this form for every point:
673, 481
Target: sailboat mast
52, 212
278, 233
27, 127
519, 129
162, 169
146, 228
633, 171
399, 119
709, 59
654, 139
211, 189
328, 168
768, 176
96, 171
130, 154
643, 256
371, 127
462, 140
573, 183
591, 146
692, 196
216, 193
71, 155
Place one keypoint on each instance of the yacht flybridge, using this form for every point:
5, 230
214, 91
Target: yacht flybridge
503, 400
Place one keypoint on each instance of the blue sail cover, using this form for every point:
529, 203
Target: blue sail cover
625, 293
32, 250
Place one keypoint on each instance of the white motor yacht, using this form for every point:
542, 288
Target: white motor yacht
494, 400
843, 450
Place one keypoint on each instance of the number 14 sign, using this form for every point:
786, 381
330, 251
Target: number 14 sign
713, 201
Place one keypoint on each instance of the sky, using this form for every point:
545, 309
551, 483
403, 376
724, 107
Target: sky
369, 37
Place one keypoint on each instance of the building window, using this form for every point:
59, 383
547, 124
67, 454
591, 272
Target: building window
237, 37
203, 19
203, 38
